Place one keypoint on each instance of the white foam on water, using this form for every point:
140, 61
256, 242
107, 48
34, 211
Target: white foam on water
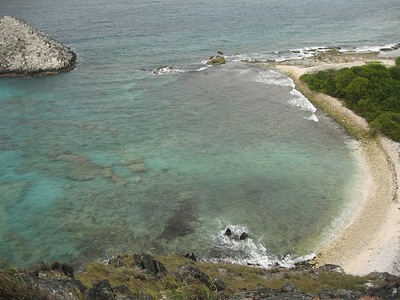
272, 77
301, 101
298, 99
250, 251
358, 189
238, 57
312, 118
376, 48
202, 68
167, 70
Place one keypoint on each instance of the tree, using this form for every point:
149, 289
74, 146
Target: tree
343, 78
389, 124
371, 90
356, 89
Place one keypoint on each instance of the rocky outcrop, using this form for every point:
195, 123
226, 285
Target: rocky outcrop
142, 277
216, 60
26, 51
149, 264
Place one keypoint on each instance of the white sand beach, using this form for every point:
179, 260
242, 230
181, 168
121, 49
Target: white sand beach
371, 240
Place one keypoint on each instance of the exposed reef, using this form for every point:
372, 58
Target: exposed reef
26, 51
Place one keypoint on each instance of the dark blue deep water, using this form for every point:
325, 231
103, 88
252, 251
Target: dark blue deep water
111, 158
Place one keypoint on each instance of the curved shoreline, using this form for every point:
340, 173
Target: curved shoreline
371, 240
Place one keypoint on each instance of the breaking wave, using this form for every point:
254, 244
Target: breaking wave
298, 99
250, 251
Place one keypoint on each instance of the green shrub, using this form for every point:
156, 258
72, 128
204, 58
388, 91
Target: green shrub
372, 91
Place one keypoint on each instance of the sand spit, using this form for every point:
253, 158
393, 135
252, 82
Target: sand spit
371, 240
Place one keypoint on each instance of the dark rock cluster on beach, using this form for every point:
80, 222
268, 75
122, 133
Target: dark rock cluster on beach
26, 51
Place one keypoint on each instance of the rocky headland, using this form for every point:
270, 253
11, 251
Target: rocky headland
26, 51
141, 276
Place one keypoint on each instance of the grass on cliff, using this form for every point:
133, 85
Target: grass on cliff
236, 277
16, 284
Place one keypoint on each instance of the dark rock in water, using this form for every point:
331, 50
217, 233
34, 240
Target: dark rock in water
191, 256
216, 60
243, 236
182, 222
228, 232
148, 263
232, 235
26, 51
79, 168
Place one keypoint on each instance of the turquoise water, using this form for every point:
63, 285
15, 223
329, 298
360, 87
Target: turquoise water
111, 158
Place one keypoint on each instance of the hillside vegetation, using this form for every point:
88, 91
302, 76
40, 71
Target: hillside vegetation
142, 277
371, 91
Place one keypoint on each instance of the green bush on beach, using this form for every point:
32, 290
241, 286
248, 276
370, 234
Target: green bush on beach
372, 91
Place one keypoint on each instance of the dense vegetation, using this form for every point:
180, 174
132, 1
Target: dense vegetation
372, 91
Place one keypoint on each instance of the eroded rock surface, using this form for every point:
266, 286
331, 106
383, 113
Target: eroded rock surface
26, 51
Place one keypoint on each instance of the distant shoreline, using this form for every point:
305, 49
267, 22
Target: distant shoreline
371, 240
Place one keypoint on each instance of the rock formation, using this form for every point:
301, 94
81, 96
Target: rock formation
142, 277
216, 60
26, 51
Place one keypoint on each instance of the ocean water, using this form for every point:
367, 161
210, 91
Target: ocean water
111, 158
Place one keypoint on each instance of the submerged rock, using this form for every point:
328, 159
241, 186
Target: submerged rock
79, 168
26, 51
182, 222
138, 168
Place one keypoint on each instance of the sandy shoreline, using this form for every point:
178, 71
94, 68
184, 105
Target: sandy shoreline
370, 242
